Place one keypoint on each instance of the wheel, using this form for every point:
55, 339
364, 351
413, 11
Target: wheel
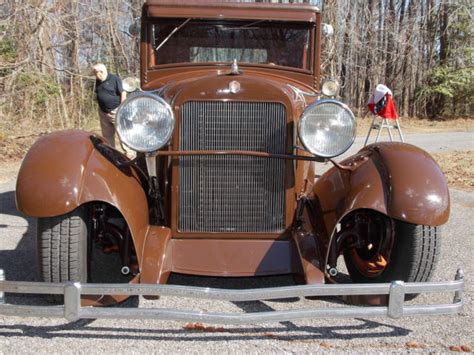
62, 247
387, 250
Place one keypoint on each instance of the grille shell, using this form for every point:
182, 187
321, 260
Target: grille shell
232, 193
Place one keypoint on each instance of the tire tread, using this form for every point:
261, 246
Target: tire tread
61, 247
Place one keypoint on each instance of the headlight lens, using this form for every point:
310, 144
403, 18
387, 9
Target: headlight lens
145, 122
330, 87
327, 128
130, 84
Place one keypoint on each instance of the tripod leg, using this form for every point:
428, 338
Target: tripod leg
399, 130
389, 128
379, 131
370, 130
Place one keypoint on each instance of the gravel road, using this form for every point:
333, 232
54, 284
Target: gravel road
32, 335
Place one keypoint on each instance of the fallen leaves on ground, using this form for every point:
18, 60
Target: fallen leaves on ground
414, 345
461, 348
270, 335
458, 167
203, 328
12, 148
325, 345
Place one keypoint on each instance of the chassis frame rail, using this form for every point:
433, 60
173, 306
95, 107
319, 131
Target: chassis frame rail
72, 310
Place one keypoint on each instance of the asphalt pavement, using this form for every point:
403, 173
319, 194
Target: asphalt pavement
428, 334
431, 142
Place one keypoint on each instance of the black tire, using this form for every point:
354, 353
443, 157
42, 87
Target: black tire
413, 258
62, 247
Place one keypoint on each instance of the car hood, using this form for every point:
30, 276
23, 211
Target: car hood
248, 86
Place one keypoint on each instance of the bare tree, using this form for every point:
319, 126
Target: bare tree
422, 49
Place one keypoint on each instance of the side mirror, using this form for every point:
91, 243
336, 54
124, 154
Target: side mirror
328, 30
135, 27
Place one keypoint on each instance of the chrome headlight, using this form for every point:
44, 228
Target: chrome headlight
330, 87
130, 84
327, 128
145, 122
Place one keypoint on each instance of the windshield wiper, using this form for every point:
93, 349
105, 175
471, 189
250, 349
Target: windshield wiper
176, 29
248, 26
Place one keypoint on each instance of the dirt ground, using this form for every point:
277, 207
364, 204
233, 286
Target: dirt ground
417, 125
457, 166
9, 170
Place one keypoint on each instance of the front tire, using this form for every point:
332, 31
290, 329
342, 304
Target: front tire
62, 247
412, 256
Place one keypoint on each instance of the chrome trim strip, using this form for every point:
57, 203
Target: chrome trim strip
231, 295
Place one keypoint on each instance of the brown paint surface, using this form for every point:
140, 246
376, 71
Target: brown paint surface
228, 10
63, 171
232, 257
398, 180
155, 252
309, 257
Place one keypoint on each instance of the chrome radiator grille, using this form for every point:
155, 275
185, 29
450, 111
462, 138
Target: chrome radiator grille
232, 193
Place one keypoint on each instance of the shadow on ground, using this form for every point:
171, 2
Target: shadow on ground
287, 331
20, 264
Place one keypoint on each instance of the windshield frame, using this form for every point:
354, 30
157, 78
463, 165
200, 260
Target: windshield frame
313, 46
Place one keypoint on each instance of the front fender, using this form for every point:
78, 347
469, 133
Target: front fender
396, 179
62, 171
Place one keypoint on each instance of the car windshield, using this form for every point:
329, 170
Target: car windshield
253, 42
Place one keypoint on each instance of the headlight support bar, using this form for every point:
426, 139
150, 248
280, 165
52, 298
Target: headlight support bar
237, 153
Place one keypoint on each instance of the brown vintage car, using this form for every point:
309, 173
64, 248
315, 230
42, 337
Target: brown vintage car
228, 124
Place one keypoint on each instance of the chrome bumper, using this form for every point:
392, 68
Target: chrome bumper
72, 310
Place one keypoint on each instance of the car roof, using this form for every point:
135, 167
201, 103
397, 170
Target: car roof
231, 9
240, 3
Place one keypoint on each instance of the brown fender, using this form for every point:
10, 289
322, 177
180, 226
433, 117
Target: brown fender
156, 256
62, 171
396, 179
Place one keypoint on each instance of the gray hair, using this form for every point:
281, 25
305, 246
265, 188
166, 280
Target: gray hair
100, 67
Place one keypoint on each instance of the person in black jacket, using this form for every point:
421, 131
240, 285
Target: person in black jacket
110, 95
